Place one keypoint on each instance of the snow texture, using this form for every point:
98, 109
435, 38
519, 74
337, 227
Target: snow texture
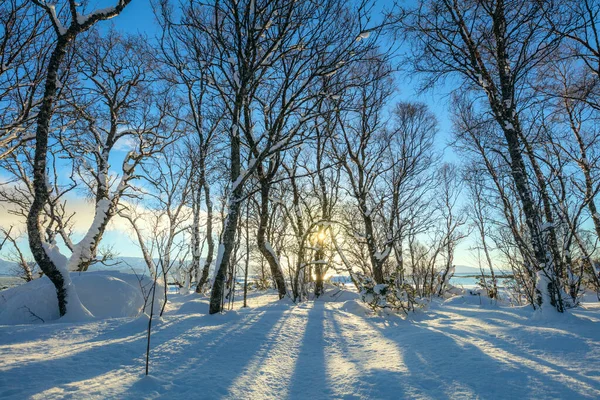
331, 348
59, 26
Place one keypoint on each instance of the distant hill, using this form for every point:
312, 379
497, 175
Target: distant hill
121, 264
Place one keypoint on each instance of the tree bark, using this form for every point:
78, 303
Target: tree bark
209, 238
34, 228
265, 248
231, 221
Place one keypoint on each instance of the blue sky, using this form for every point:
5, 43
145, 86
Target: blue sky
139, 18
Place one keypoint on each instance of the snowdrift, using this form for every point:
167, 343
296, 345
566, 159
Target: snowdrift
472, 297
105, 294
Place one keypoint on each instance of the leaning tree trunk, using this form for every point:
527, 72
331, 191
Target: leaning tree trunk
55, 267
265, 247
34, 228
231, 221
504, 107
209, 238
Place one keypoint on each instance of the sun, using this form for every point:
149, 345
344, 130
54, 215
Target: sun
321, 236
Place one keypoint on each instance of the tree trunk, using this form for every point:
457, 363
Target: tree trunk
209, 238
247, 265
196, 200
319, 255
34, 228
231, 221
264, 246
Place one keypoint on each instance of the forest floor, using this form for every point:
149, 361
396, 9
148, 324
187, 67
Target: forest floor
329, 348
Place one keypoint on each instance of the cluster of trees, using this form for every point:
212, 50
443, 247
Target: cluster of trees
261, 137
526, 111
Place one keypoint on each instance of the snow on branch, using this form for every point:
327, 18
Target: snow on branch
51, 11
82, 22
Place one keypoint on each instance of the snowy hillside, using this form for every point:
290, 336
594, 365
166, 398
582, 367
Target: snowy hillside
330, 348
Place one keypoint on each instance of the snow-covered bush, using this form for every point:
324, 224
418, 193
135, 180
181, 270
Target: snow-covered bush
261, 283
489, 285
392, 294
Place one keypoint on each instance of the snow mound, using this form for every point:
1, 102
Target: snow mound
335, 294
547, 315
105, 294
192, 306
472, 297
356, 307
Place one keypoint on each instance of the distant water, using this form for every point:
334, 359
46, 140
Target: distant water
469, 280
466, 280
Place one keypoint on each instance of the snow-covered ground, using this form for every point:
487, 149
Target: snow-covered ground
330, 348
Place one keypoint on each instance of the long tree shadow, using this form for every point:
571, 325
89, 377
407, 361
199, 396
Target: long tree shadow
443, 361
309, 380
372, 383
128, 343
496, 315
216, 367
533, 364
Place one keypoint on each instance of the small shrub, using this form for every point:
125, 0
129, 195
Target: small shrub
392, 294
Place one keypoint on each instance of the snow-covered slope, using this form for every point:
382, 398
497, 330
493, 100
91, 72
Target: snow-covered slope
315, 350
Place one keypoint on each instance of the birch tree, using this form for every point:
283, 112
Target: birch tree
46, 255
113, 108
255, 43
493, 48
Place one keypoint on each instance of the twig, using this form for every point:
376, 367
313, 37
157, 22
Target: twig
33, 314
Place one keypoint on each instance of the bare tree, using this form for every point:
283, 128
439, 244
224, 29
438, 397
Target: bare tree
185, 54
162, 225
255, 43
479, 215
453, 218
25, 44
493, 47
26, 268
117, 109
45, 254
363, 156
384, 162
